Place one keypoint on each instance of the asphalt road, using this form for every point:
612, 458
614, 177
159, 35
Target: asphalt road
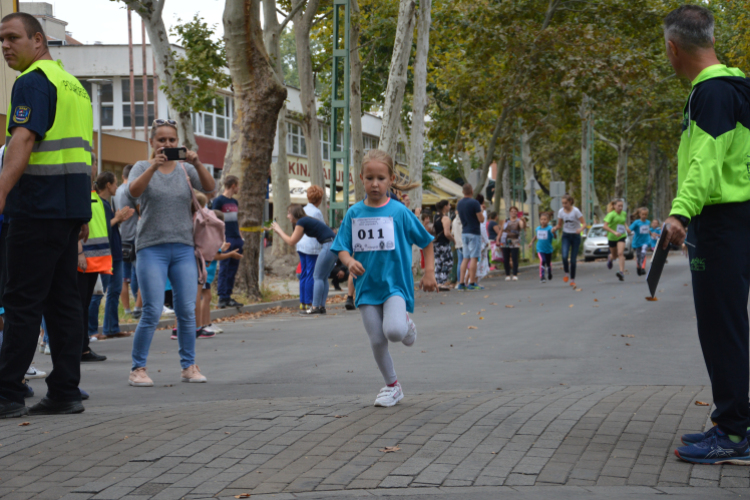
527, 335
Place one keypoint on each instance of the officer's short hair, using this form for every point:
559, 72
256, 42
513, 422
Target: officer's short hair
30, 23
691, 27
126, 171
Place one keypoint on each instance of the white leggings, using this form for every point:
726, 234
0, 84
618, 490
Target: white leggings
385, 322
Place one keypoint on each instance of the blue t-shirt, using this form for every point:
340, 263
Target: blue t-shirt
230, 208
656, 231
468, 208
316, 229
387, 272
642, 233
115, 241
34, 104
544, 239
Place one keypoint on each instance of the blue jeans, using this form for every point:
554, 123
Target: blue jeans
323, 266
155, 264
570, 244
459, 259
128, 273
112, 285
306, 281
228, 270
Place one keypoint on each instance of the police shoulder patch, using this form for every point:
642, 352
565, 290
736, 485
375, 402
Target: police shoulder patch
21, 114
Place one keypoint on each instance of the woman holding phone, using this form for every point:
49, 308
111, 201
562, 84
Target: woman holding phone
164, 245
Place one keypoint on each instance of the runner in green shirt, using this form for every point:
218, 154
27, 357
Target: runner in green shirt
616, 225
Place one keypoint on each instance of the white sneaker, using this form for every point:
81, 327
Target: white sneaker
212, 329
515, 278
42, 347
34, 373
46, 350
411, 335
507, 278
167, 311
389, 396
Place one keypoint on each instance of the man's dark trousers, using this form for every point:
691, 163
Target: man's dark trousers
41, 266
720, 266
228, 270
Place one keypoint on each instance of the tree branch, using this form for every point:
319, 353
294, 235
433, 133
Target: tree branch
322, 17
290, 15
607, 141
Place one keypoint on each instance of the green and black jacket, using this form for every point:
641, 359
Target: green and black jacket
713, 161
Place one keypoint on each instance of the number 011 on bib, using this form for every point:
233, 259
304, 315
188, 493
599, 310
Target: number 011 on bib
373, 234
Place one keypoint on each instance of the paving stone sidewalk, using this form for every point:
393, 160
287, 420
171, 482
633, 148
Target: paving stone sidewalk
587, 437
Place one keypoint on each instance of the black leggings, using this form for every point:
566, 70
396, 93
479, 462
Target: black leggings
509, 253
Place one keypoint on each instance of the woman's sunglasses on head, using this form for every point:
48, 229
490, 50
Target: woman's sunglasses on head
160, 121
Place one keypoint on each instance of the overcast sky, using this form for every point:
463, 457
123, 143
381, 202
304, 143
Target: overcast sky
107, 22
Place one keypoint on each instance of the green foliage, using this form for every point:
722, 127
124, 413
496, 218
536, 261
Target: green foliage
202, 69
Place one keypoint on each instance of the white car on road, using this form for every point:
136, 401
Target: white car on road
596, 246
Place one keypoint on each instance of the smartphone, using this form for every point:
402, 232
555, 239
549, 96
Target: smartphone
175, 153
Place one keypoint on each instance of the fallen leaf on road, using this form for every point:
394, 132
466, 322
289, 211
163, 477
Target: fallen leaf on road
224, 433
472, 328
685, 284
463, 314
627, 345
596, 300
486, 296
510, 306
579, 289
23, 424
628, 336
451, 345
390, 449
423, 351
339, 416
481, 317
701, 403
494, 452
493, 303
571, 305
242, 495
442, 303
652, 299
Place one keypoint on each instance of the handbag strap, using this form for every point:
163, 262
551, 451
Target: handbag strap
196, 205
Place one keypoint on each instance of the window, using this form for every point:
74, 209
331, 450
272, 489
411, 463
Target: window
370, 143
216, 123
139, 115
325, 142
295, 140
108, 113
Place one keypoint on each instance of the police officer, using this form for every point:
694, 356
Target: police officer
44, 189
713, 204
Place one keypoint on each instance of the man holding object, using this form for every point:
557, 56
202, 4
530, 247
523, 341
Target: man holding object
713, 202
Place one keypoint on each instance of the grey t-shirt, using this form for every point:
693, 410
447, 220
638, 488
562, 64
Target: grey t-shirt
165, 206
123, 199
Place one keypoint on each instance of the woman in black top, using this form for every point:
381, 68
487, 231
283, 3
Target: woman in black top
442, 245
313, 228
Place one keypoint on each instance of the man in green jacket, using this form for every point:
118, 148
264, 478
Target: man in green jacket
713, 205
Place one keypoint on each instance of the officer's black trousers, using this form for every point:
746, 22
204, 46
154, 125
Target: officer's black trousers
42, 257
720, 266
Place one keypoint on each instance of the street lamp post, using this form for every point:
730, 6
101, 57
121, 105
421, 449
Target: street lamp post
99, 82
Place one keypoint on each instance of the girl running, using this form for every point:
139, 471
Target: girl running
642, 239
618, 220
655, 233
313, 228
543, 237
571, 221
374, 242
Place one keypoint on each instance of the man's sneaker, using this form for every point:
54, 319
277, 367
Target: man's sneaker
47, 350
620, 276
233, 303
507, 278
389, 396
137, 313
314, 311
192, 375
609, 263
11, 409
474, 286
565, 279
165, 311
51, 407
717, 448
350, 303
515, 278
461, 286
32, 373
411, 334
92, 356
29, 390
202, 333
688, 439
139, 378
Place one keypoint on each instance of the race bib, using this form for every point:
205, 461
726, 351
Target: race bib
373, 234
644, 229
621, 229
541, 235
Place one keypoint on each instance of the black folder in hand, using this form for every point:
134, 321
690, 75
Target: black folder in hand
657, 262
